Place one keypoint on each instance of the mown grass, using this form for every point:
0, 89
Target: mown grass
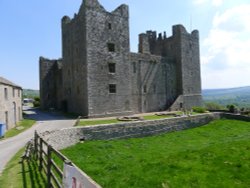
215, 155
98, 122
24, 125
109, 121
25, 174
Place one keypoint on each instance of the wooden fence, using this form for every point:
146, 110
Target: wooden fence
46, 156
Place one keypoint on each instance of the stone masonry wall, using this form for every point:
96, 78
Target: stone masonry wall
67, 137
10, 106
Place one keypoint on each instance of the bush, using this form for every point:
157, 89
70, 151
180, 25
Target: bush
36, 103
232, 108
198, 109
213, 106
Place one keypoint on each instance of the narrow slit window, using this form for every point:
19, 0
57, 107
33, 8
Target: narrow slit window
109, 25
134, 67
145, 89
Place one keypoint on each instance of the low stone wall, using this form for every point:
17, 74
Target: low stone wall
235, 117
66, 137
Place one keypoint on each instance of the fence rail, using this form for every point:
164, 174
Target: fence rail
50, 161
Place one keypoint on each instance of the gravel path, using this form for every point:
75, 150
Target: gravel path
45, 122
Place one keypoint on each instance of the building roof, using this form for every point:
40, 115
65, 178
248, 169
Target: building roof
7, 82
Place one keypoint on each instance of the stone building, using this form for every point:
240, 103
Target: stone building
10, 103
99, 76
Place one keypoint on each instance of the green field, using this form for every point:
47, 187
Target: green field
215, 155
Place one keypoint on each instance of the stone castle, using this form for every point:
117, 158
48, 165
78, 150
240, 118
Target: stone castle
99, 76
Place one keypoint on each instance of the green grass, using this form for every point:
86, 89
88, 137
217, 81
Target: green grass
98, 122
24, 174
215, 155
109, 121
25, 123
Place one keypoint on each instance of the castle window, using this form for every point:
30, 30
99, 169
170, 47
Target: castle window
145, 89
111, 67
13, 92
112, 88
111, 47
19, 93
6, 93
134, 67
109, 25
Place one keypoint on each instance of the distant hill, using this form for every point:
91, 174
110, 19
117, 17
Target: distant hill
239, 96
30, 93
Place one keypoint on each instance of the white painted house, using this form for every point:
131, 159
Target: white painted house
10, 103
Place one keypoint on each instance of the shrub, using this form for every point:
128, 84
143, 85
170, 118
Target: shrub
232, 108
213, 106
198, 109
36, 103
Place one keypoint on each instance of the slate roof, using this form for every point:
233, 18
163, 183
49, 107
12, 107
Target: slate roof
7, 82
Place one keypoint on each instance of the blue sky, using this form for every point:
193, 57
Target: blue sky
30, 29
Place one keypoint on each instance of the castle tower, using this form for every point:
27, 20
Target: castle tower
95, 58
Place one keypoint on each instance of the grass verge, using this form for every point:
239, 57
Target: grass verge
215, 155
25, 174
23, 125
114, 120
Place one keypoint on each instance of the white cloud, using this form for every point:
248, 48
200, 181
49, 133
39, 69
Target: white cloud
227, 56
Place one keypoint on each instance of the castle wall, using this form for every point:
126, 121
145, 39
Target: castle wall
50, 83
183, 48
153, 86
75, 92
107, 35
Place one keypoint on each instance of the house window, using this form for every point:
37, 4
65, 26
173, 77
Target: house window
111, 67
109, 25
145, 89
13, 92
6, 93
7, 119
112, 88
111, 47
18, 93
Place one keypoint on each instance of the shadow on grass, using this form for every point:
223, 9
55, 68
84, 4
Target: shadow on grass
31, 175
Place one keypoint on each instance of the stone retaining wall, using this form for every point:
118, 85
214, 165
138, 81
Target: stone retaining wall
66, 137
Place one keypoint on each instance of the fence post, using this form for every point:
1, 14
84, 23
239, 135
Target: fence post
49, 166
35, 143
40, 154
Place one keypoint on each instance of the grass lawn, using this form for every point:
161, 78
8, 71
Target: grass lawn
24, 124
24, 174
98, 122
215, 155
109, 121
